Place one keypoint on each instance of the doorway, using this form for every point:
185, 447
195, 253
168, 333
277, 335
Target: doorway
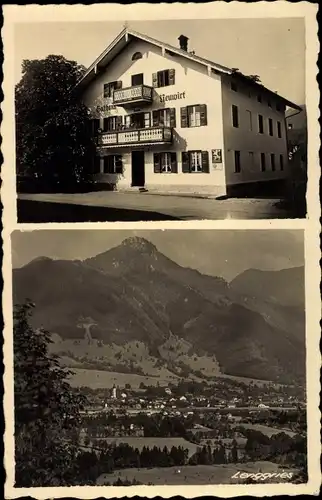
138, 170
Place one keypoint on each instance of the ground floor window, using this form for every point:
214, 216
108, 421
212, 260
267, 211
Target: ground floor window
237, 162
282, 162
165, 162
195, 161
113, 164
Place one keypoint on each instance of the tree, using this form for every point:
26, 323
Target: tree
46, 409
53, 139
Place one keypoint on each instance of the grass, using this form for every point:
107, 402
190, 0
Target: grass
99, 379
268, 431
188, 475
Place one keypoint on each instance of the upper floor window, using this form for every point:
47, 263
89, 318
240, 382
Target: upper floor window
279, 130
112, 123
278, 107
195, 161
194, 116
249, 119
281, 162
137, 79
110, 87
94, 125
113, 164
164, 117
269, 103
234, 111
165, 163
260, 124
259, 98
163, 78
273, 162
137, 120
136, 55
233, 86
270, 126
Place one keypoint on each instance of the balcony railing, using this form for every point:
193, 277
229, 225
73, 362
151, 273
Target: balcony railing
157, 135
138, 94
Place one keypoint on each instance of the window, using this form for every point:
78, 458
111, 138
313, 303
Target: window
260, 124
195, 161
165, 163
281, 162
263, 162
249, 119
259, 98
112, 123
113, 164
237, 162
279, 130
137, 120
251, 159
278, 107
270, 126
136, 56
163, 78
233, 86
290, 126
194, 116
273, 162
137, 79
269, 104
234, 110
110, 87
164, 117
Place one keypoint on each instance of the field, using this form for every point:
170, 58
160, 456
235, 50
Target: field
268, 431
160, 442
99, 379
193, 474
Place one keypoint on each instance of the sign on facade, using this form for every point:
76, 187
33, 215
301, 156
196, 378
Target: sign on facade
216, 156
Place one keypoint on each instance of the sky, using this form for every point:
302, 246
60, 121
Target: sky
272, 48
224, 253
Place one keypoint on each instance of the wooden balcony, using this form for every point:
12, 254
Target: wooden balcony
132, 137
130, 96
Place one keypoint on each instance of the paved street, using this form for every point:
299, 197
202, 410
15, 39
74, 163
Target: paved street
144, 204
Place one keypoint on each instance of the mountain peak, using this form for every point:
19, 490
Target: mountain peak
140, 244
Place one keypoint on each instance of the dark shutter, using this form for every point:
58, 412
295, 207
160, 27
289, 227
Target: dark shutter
205, 161
203, 114
171, 76
173, 117
106, 90
155, 118
157, 163
118, 85
174, 163
105, 124
154, 79
184, 117
185, 162
118, 122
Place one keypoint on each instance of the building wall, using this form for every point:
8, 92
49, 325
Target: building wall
198, 87
247, 140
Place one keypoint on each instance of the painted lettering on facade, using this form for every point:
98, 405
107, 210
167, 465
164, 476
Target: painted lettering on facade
172, 97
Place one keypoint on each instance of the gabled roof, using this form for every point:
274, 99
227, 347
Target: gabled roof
127, 35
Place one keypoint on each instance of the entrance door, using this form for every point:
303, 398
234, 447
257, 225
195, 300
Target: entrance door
138, 173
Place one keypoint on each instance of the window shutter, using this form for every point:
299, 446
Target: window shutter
155, 118
205, 161
203, 114
118, 85
171, 76
157, 163
173, 117
106, 89
174, 163
154, 79
185, 162
105, 124
184, 117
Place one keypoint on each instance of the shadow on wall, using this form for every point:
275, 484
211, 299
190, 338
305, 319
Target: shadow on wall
179, 142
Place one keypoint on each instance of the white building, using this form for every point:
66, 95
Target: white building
168, 120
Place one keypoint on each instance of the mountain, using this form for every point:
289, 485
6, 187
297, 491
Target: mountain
131, 308
283, 287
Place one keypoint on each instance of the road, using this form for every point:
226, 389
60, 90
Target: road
144, 205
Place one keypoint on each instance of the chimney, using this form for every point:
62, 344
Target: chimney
183, 40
